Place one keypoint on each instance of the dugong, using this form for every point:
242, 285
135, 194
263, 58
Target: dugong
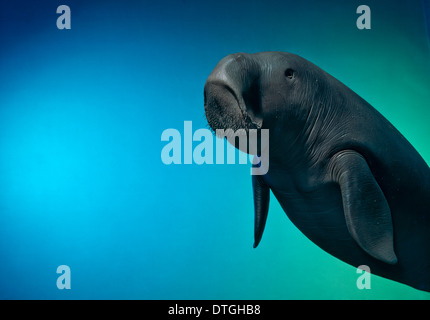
343, 174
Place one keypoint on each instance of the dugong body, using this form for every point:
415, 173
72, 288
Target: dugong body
342, 173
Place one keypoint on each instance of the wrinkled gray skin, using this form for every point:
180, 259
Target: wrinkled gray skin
341, 172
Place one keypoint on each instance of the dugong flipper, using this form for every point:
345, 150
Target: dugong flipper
367, 214
261, 206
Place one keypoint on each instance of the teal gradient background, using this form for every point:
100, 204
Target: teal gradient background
81, 116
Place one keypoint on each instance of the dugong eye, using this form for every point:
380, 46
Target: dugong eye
289, 74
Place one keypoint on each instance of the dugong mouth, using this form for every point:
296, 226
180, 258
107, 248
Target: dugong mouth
225, 109
229, 117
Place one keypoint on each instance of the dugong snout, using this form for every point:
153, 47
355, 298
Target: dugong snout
232, 95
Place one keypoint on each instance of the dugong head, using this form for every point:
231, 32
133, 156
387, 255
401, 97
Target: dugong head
266, 90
